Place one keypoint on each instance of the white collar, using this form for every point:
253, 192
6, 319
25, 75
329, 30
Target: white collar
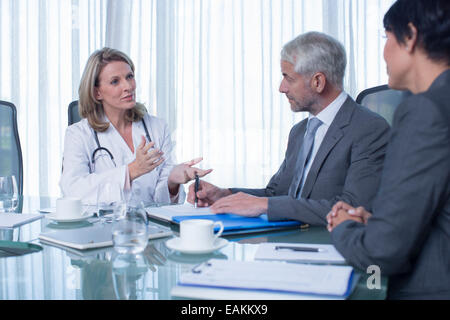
329, 112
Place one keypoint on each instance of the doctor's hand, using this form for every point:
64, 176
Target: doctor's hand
146, 160
207, 194
242, 204
183, 173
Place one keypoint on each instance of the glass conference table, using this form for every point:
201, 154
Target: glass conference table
63, 274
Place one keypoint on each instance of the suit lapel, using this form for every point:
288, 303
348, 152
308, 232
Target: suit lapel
299, 140
332, 137
292, 154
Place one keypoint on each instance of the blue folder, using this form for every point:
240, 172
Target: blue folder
233, 223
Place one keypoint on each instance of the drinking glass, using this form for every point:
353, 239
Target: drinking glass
110, 201
9, 195
130, 231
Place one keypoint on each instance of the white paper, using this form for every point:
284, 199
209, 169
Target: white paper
327, 253
12, 220
277, 276
167, 212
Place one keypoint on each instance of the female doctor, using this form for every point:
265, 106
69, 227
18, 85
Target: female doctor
117, 140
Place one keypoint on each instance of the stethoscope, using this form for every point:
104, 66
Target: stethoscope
100, 148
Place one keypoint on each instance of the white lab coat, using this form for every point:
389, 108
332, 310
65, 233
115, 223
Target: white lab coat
79, 180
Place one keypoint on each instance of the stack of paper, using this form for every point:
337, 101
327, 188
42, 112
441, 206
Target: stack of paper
223, 279
232, 223
166, 213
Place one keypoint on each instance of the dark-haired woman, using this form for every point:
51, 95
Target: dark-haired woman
407, 235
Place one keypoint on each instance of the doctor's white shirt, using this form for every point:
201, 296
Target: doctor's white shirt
79, 178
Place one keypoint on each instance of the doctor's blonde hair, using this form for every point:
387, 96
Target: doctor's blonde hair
89, 106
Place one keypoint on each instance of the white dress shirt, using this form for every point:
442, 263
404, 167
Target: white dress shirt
79, 178
327, 116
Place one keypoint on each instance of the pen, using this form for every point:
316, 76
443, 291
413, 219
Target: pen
303, 249
197, 182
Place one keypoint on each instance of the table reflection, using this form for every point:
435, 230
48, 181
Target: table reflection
65, 273
129, 274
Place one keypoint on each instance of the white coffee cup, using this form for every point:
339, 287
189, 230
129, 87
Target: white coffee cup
69, 208
199, 234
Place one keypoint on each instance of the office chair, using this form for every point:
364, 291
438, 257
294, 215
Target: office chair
11, 162
74, 115
382, 100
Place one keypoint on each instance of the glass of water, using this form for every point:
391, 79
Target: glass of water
9, 194
130, 231
110, 200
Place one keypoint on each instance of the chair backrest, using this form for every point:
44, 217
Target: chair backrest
73, 113
10, 150
382, 100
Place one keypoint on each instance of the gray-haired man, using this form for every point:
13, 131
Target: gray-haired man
335, 154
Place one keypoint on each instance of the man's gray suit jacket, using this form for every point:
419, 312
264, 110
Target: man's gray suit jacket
408, 235
347, 167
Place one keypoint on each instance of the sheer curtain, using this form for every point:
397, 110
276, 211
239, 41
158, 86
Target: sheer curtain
210, 68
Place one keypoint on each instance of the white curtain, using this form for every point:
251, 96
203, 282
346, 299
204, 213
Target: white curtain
210, 68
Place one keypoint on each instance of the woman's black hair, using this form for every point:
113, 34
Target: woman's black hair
432, 21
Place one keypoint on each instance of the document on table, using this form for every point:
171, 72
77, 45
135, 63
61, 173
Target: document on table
13, 220
167, 212
299, 252
277, 277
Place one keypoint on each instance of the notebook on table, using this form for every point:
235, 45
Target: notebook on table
299, 252
232, 223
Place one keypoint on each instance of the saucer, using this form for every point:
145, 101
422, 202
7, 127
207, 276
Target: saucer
175, 244
53, 216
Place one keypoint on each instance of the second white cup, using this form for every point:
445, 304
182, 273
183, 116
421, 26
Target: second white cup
69, 208
199, 234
